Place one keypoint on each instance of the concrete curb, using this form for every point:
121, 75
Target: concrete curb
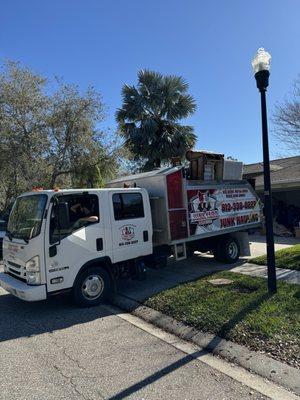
267, 367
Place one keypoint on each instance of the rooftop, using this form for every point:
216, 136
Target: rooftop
283, 170
158, 171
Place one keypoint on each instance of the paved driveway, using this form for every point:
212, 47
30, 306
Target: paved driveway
258, 244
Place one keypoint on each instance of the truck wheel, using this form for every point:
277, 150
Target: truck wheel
91, 287
227, 250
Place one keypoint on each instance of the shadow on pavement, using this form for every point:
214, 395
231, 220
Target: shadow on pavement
21, 319
191, 357
157, 375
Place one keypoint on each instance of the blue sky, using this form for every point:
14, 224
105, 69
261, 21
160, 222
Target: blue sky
210, 43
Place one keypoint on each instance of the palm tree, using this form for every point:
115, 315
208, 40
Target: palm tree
149, 118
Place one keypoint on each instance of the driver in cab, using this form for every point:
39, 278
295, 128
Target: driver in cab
80, 214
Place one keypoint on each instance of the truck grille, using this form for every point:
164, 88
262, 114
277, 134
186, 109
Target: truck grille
16, 270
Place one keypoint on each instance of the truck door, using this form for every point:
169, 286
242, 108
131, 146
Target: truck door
131, 224
76, 235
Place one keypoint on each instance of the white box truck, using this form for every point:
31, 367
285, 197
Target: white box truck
84, 240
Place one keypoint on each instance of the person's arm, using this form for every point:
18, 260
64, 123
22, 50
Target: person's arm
91, 218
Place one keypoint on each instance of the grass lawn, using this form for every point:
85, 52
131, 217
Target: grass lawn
285, 258
241, 311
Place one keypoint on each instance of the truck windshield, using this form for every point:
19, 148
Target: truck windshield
26, 216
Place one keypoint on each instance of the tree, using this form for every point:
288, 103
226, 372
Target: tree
49, 139
149, 118
71, 124
108, 163
23, 139
287, 121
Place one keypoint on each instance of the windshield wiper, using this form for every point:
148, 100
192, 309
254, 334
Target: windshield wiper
11, 236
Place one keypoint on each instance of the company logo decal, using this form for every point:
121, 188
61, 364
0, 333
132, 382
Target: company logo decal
13, 248
127, 232
203, 207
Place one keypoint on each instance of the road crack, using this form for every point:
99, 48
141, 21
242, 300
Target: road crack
72, 377
70, 381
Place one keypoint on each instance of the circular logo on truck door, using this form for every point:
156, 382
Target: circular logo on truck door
127, 232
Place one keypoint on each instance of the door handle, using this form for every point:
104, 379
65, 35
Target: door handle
145, 236
99, 244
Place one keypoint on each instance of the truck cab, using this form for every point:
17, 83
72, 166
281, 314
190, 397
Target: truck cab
74, 240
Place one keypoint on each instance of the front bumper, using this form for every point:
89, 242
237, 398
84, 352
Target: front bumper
21, 289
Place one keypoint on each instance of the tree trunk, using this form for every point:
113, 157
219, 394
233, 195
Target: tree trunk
157, 163
53, 180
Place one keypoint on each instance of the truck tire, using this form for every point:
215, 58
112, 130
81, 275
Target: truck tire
91, 287
227, 250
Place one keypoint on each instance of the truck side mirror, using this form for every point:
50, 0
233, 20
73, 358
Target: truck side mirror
63, 216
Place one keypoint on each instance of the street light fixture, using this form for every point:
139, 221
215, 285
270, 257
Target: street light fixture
261, 68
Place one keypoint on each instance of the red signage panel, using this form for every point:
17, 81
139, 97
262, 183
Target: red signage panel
174, 187
178, 224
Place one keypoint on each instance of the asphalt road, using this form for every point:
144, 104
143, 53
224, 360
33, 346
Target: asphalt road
52, 350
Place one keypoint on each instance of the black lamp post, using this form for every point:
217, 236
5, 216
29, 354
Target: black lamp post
261, 68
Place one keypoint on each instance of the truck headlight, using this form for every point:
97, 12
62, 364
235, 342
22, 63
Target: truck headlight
32, 267
33, 278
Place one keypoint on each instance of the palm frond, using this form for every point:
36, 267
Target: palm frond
150, 114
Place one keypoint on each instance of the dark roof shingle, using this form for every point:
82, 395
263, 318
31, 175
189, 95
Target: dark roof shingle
282, 170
